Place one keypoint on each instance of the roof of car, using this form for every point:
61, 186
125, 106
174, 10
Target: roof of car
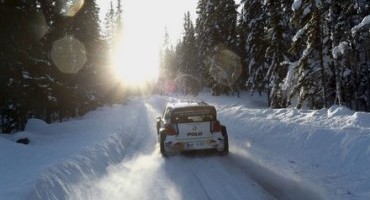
189, 107
184, 104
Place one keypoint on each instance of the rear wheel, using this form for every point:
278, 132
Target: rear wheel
158, 126
226, 141
161, 145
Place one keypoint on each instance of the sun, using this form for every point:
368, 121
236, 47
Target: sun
136, 56
135, 59
135, 66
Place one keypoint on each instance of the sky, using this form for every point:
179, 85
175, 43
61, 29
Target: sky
145, 22
156, 15
113, 153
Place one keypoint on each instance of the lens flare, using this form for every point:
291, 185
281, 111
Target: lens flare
69, 55
71, 7
38, 25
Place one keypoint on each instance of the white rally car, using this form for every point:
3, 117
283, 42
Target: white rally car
186, 126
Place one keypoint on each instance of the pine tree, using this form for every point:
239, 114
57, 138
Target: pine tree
278, 40
255, 44
350, 54
242, 33
360, 57
202, 30
188, 73
119, 21
313, 67
168, 68
30, 73
25, 83
187, 51
225, 16
215, 25
340, 34
113, 23
110, 26
86, 29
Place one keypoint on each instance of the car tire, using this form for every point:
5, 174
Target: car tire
226, 141
161, 146
158, 126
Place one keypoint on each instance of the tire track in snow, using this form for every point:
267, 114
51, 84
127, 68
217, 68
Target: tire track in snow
202, 186
206, 178
144, 131
281, 186
278, 185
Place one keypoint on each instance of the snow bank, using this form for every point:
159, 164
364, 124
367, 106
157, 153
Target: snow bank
36, 126
328, 148
59, 154
59, 181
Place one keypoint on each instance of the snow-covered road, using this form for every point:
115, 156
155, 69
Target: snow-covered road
145, 174
112, 153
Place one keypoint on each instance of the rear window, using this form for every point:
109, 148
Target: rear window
191, 115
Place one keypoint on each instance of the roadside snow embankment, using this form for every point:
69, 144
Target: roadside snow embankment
59, 181
60, 155
92, 162
327, 149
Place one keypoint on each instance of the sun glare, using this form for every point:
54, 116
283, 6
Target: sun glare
134, 66
136, 57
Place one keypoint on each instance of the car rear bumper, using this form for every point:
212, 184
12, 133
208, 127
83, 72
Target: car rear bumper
172, 144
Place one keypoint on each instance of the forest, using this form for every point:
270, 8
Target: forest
302, 54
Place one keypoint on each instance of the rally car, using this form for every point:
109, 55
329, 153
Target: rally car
188, 126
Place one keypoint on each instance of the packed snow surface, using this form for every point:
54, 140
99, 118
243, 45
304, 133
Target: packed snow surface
112, 153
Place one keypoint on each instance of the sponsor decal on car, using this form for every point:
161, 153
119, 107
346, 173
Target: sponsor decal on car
200, 133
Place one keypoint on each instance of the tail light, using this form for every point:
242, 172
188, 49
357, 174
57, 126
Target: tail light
169, 129
216, 127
